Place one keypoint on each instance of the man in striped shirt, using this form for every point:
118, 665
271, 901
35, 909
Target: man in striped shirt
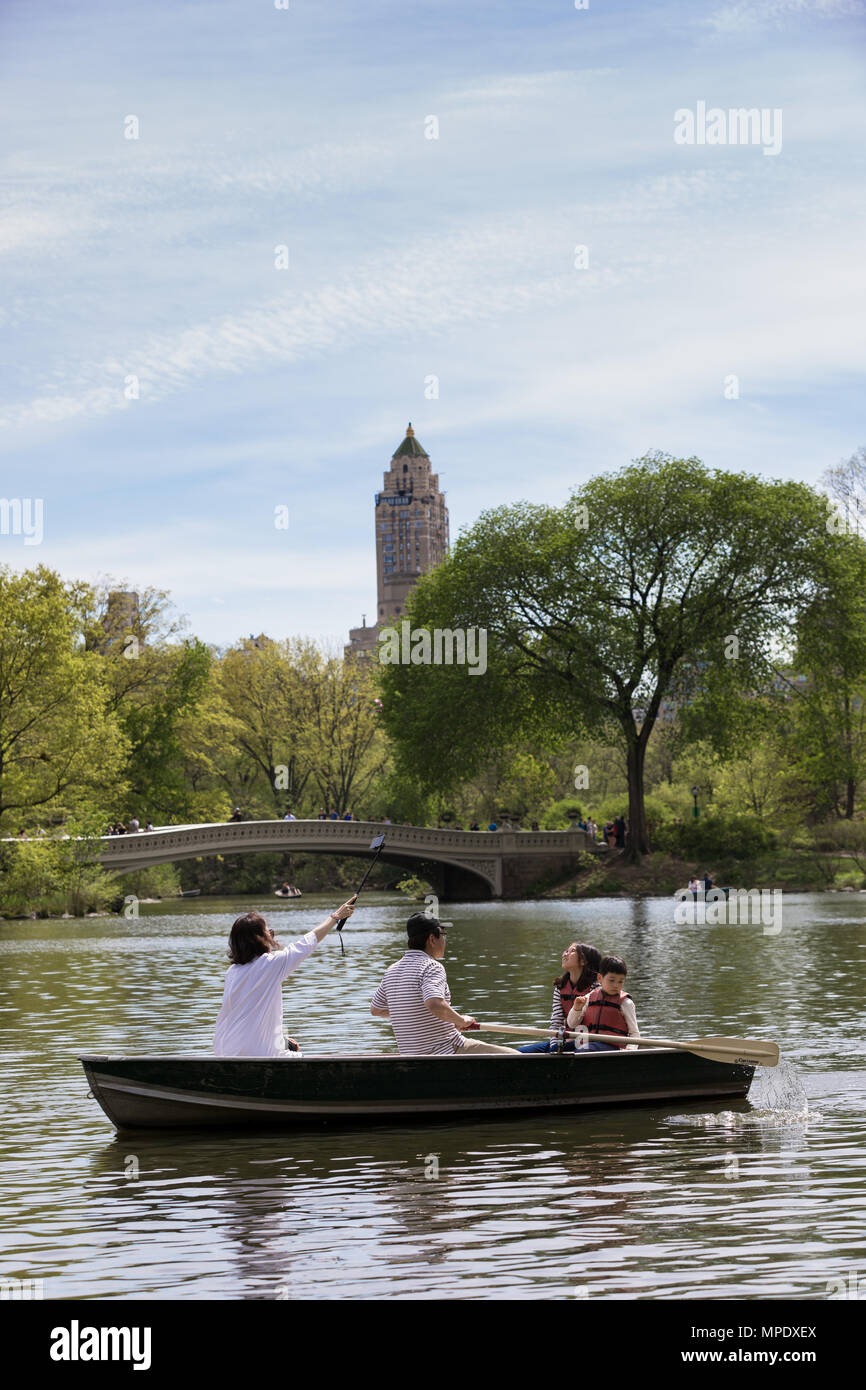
414, 994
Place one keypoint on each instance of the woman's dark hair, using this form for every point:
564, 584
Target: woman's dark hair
420, 928
249, 937
591, 962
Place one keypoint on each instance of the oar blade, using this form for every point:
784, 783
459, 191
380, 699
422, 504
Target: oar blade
754, 1052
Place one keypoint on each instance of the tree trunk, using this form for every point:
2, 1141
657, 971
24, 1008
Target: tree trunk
637, 837
850, 789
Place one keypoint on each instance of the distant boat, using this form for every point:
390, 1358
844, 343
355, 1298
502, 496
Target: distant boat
190, 893
288, 893
159, 1092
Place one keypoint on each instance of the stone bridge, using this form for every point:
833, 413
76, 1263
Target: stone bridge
461, 864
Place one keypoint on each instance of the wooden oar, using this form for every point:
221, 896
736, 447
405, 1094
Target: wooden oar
754, 1052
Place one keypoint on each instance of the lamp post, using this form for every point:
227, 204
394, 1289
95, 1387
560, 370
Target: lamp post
695, 811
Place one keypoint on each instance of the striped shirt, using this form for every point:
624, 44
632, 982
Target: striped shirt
405, 987
557, 1017
561, 1006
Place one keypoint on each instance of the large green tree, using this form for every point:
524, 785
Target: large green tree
265, 690
664, 581
345, 746
60, 742
827, 727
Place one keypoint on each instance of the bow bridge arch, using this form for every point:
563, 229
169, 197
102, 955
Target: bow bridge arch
462, 863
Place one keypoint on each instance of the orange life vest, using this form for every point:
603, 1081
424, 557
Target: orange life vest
567, 995
603, 1014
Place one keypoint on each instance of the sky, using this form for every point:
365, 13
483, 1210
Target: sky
167, 385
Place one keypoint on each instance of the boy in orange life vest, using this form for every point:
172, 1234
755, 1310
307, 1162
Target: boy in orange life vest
606, 1009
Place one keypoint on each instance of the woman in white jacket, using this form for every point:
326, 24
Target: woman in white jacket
250, 1022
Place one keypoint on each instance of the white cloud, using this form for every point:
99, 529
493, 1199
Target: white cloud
479, 272
744, 16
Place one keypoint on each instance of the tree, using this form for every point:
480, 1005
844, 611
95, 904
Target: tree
156, 679
664, 581
207, 737
60, 743
177, 678
846, 484
345, 748
828, 723
266, 693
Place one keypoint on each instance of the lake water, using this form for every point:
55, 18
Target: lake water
756, 1199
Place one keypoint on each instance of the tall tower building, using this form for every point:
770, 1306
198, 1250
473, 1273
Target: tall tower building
411, 522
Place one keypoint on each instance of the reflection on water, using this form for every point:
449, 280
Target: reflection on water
754, 1199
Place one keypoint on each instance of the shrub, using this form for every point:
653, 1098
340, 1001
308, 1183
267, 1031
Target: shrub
715, 837
560, 814
413, 887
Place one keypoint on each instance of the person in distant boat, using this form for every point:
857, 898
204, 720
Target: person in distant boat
607, 1009
414, 995
250, 1021
694, 886
580, 963
707, 883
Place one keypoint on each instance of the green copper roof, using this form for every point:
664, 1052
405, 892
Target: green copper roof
410, 448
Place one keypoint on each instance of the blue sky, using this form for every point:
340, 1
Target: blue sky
408, 257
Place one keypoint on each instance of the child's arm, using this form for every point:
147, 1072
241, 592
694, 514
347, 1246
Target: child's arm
630, 1016
576, 1012
557, 1016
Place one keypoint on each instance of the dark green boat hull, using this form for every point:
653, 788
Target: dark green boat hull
187, 1092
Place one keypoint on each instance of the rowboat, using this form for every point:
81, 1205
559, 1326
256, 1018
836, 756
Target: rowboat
161, 1092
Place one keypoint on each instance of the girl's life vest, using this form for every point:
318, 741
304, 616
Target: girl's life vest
567, 995
603, 1014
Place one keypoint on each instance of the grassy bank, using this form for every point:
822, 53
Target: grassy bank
661, 874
